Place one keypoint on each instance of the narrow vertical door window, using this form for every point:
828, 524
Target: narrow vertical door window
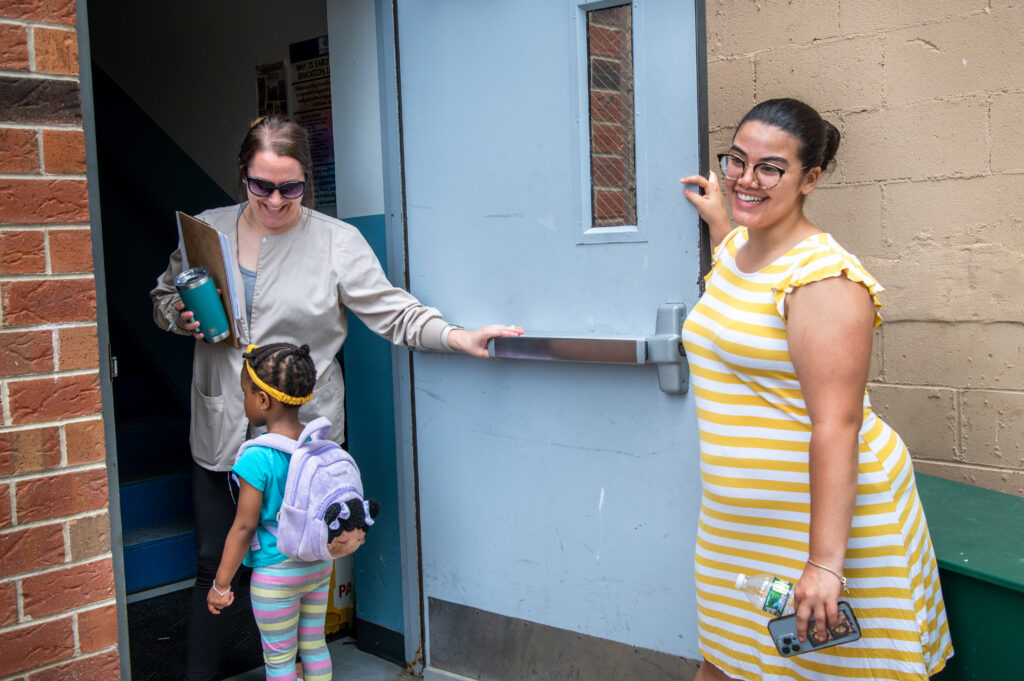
612, 129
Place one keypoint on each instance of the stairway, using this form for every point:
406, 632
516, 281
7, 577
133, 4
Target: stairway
144, 177
154, 471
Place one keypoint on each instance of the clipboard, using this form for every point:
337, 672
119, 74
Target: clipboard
206, 247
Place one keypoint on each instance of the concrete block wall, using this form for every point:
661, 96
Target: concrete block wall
929, 192
57, 610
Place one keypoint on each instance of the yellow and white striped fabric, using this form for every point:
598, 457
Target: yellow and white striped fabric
755, 512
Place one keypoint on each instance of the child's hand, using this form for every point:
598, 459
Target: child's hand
346, 543
218, 601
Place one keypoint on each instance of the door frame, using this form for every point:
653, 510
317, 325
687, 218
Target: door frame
385, 12
103, 336
388, 57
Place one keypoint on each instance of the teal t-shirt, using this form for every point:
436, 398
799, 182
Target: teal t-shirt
266, 469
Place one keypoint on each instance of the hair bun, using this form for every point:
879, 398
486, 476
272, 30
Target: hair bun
832, 137
303, 351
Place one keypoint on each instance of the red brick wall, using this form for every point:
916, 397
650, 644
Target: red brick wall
58, 617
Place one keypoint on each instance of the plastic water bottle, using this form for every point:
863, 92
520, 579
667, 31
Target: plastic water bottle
771, 594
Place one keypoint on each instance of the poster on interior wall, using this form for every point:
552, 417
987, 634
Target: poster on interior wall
311, 90
271, 90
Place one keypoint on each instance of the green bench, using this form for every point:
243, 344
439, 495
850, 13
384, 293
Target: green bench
978, 536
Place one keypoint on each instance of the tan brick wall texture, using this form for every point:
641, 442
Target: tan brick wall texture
58, 616
929, 192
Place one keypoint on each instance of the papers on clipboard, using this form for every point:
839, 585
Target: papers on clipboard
206, 247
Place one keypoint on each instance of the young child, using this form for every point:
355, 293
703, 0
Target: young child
289, 597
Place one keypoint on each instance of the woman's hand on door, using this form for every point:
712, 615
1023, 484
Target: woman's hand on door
475, 342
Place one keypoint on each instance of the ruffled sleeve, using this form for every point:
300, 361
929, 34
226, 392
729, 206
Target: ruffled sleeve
826, 259
732, 241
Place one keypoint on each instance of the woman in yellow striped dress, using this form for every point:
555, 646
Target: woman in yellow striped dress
801, 480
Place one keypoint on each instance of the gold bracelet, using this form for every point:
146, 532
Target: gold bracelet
842, 580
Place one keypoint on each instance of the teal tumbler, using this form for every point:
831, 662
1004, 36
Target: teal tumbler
199, 294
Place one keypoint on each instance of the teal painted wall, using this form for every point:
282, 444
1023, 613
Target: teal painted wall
370, 415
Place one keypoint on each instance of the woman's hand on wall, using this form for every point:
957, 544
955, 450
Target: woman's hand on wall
475, 342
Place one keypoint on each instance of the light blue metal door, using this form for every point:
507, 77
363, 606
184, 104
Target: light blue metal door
557, 493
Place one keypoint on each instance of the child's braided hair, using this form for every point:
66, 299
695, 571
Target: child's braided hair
285, 367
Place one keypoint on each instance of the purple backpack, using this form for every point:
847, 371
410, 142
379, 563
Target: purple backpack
323, 496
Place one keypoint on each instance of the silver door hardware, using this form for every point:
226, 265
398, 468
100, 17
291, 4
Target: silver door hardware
664, 348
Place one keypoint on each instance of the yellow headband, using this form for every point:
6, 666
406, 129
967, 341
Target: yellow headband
273, 392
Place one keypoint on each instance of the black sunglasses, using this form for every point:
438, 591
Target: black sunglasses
263, 188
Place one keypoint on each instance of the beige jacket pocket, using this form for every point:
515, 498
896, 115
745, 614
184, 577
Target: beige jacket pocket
207, 430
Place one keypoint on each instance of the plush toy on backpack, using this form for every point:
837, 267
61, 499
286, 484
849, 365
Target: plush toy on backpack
323, 496
352, 515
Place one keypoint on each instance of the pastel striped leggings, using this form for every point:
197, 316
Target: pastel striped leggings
289, 601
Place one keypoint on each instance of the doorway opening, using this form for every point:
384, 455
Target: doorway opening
173, 94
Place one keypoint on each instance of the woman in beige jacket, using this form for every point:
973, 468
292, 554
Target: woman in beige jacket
302, 272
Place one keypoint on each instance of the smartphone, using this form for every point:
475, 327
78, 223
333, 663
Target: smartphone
783, 632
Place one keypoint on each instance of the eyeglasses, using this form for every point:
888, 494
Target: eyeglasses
766, 175
263, 188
